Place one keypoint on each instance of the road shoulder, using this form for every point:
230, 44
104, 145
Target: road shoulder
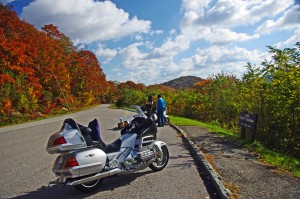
239, 170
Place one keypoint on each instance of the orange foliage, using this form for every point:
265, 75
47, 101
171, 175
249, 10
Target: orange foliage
39, 70
132, 85
161, 88
7, 106
202, 83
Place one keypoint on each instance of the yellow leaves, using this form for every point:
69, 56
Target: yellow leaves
88, 97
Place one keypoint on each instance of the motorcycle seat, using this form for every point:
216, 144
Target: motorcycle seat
113, 147
99, 144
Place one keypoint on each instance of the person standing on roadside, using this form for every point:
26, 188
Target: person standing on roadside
161, 107
149, 106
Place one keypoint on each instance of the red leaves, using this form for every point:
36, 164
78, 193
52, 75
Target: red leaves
6, 78
41, 70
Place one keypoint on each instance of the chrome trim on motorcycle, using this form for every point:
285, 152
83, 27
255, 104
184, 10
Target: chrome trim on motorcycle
95, 177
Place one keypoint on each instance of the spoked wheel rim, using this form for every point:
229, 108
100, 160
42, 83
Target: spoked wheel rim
162, 161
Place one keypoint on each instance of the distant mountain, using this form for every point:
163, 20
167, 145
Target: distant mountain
182, 82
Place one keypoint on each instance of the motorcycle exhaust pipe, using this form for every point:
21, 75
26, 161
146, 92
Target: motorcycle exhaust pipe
95, 177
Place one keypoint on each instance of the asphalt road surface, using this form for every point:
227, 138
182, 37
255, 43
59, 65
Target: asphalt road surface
25, 166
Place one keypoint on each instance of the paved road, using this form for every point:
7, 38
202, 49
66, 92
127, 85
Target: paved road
25, 166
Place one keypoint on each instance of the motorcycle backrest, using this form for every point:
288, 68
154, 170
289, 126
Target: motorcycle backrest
71, 122
95, 134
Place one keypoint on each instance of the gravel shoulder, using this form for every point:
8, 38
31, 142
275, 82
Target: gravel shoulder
241, 170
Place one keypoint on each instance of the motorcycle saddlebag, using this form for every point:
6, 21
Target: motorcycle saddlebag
80, 163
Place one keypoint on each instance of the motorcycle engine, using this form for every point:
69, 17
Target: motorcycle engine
145, 155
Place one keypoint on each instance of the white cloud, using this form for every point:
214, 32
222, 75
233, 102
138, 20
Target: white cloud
204, 63
195, 5
288, 21
224, 36
160, 59
172, 32
156, 32
216, 59
85, 21
132, 56
231, 13
217, 54
172, 47
290, 41
105, 54
214, 21
146, 75
147, 67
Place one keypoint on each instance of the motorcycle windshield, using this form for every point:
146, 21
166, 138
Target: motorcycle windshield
137, 111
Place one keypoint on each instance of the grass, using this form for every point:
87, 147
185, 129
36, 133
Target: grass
283, 163
180, 121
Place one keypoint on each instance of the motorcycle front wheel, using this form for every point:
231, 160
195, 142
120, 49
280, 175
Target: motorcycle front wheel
89, 186
162, 161
167, 120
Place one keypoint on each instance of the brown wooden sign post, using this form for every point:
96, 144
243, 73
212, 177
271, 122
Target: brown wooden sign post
248, 121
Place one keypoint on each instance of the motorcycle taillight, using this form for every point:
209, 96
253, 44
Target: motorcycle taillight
72, 162
60, 140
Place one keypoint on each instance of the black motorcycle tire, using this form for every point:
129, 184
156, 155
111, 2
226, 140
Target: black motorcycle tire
89, 186
158, 166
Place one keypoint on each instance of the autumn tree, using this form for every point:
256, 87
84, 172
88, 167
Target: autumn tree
42, 71
20, 88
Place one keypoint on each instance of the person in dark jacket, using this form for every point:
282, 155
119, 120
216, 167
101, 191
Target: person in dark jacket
149, 103
161, 107
149, 106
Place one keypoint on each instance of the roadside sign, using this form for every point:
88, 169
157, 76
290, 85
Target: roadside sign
248, 121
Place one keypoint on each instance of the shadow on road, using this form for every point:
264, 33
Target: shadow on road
109, 184
187, 162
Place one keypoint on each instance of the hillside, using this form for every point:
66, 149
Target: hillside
182, 82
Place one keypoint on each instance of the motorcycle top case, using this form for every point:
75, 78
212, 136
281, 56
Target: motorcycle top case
67, 139
89, 161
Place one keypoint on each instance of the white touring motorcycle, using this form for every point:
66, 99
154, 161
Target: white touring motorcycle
85, 160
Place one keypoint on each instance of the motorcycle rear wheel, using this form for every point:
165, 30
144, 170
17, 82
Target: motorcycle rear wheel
162, 162
89, 186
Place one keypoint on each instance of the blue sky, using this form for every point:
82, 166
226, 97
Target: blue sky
154, 41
